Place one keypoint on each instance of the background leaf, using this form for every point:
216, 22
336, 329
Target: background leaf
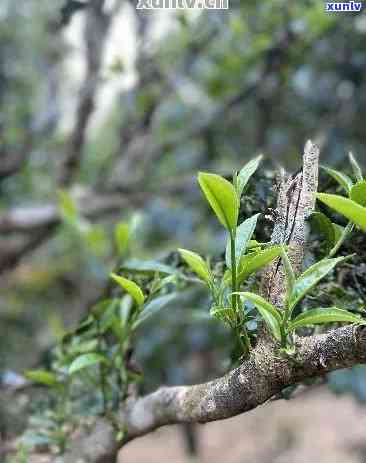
67, 207
323, 225
224, 314
108, 316
86, 360
147, 267
342, 179
42, 377
101, 307
121, 236
153, 307
355, 167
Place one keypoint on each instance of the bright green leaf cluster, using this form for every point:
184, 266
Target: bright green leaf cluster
352, 207
280, 322
243, 255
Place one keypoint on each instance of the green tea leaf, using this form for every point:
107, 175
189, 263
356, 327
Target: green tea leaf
255, 261
323, 225
118, 328
67, 207
269, 313
350, 209
342, 179
310, 278
355, 167
159, 283
43, 377
289, 272
338, 231
340, 234
358, 193
131, 287
121, 236
153, 307
125, 309
109, 314
222, 197
322, 316
86, 360
196, 263
100, 307
147, 267
254, 244
86, 324
96, 239
242, 238
224, 314
235, 181
85, 347
246, 172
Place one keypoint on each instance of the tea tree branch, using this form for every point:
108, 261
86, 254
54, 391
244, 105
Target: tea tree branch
254, 382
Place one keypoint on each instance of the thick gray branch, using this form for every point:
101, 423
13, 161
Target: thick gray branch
31, 218
255, 381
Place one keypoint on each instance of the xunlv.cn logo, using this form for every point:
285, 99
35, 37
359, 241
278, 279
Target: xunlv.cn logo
343, 6
182, 4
